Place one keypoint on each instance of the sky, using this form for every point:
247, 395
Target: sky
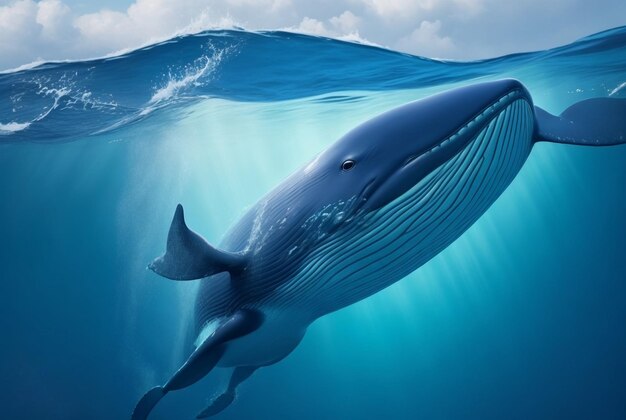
47, 30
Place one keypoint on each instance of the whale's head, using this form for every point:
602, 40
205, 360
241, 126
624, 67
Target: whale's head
381, 159
393, 192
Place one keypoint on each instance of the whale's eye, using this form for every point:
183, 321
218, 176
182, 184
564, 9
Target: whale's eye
347, 165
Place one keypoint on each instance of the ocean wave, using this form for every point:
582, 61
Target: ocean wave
61, 101
195, 75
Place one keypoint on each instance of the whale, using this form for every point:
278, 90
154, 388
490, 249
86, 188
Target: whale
373, 207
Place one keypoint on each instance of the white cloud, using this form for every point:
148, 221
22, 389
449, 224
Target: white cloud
30, 29
399, 8
470, 8
343, 27
426, 40
143, 21
312, 27
52, 15
346, 22
17, 17
410, 9
269, 5
336, 27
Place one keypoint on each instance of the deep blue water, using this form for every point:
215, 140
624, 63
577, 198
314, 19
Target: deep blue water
523, 317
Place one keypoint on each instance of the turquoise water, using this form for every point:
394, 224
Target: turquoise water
522, 317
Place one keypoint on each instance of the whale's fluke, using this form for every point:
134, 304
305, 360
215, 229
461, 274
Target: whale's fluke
147, 403
222, 401
188, 256
202, 360
592, 122
219, 404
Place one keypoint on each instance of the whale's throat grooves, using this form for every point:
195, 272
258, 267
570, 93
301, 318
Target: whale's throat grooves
363, 258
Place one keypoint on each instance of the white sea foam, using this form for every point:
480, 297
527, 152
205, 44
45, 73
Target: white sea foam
23, 67
13, 127
64, 96
204, 67
617, 89
58, 93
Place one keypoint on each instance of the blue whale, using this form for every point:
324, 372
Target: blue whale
376, 205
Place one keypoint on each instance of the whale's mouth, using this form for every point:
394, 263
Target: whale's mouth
365, 194
368, 190
415, 167
468, 132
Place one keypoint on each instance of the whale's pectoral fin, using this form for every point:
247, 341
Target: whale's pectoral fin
207, 354
222, 401
592, 122
202, 360
188, 256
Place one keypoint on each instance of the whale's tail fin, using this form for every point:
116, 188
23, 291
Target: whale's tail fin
222, 401
592, 122
147, 403
188, 256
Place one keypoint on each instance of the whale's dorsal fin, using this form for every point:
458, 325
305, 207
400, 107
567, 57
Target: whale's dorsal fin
591, 122
189, 256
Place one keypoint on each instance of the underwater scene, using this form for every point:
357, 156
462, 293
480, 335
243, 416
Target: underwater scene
522, 317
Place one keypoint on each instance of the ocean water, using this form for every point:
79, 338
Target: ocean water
522, 317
